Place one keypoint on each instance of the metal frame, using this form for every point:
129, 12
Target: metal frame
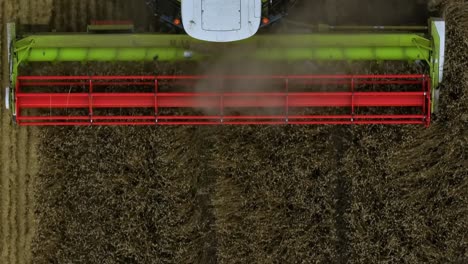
437, 27
149, 47
427, 47
288, 99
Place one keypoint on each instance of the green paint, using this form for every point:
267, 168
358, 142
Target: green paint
146, 47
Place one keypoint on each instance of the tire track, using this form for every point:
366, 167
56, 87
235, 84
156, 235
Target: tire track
205, 186
101, 12
22, 162
109, 10
72, 15
83, 15
125, 5
12, 205
55, 23
30, 183
60, 16
341, 139
92, 12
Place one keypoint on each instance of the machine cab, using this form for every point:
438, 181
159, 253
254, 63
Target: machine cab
221, 20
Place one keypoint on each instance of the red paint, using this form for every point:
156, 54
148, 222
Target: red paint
287, 93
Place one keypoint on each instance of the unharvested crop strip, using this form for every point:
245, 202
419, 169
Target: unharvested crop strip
22, 149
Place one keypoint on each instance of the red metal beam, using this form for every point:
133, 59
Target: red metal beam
214, 100
287, 93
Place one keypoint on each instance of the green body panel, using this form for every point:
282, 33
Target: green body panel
349, 53
177, 54
102, 54
143, 47
167, 40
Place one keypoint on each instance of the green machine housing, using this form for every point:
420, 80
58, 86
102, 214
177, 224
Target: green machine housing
413, 44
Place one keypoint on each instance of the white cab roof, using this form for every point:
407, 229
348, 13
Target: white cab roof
221, 20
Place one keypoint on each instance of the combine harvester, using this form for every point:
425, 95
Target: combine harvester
214, 26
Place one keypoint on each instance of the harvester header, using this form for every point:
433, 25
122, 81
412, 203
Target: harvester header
176, 100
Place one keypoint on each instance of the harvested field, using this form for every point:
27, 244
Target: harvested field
18, 156
325, 194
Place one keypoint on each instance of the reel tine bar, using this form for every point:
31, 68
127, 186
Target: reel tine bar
227, 100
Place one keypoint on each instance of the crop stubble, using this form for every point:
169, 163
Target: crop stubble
17, 152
